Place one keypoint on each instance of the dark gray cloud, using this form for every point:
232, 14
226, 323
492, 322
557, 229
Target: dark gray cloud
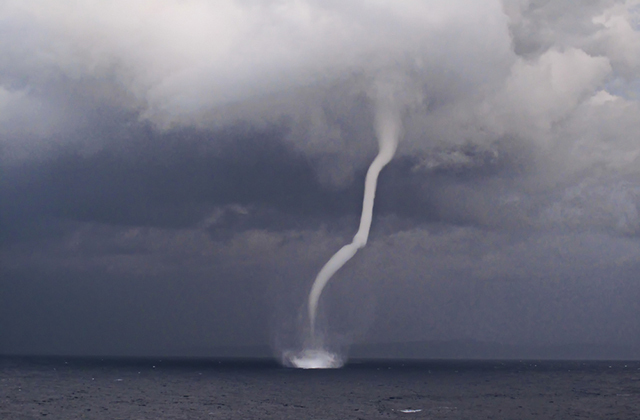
238, 179
175, 180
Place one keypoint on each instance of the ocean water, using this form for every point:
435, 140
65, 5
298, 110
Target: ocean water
132, 389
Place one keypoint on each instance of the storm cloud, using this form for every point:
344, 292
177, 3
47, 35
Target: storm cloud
174, 173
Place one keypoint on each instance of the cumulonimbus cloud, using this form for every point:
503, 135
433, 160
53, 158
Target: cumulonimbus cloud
559, 77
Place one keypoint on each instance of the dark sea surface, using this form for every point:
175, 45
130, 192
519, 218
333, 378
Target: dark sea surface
132, 389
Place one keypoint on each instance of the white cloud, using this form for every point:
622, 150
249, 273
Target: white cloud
538, 94
183, 58
619, 37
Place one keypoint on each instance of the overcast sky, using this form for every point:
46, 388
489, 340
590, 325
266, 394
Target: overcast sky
175, 173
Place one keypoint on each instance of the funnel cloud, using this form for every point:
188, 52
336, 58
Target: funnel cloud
388, 131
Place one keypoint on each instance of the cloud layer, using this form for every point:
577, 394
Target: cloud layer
176, 141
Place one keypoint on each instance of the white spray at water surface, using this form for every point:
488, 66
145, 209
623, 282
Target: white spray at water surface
388, 130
